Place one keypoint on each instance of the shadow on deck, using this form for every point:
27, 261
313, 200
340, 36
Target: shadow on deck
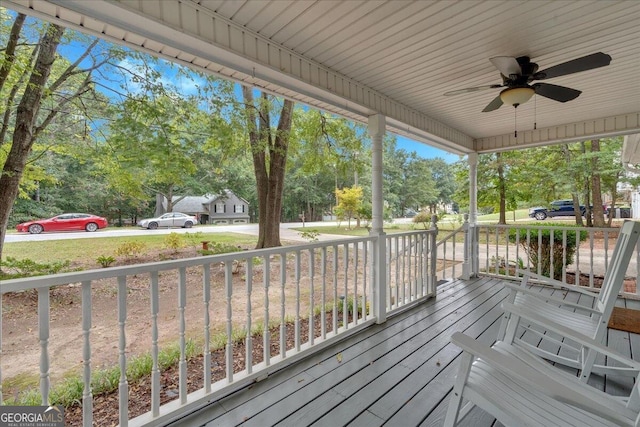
399, 373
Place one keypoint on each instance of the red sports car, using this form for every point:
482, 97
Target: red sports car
64, 222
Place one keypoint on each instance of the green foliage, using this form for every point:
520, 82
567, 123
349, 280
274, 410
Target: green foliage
310, 235
424, 218
105, 261
130, 249
174, 241
349, 202
13, 268
194, 239
541, 246
216, 248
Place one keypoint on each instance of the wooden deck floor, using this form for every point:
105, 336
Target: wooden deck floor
399, 373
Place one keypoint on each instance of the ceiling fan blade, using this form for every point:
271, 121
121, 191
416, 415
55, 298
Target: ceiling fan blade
471, 89
493, 105
507, 65
555, 92
589, 62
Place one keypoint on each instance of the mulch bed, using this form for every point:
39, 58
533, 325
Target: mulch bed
105, 406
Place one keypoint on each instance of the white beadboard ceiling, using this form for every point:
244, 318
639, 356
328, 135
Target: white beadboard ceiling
395, 57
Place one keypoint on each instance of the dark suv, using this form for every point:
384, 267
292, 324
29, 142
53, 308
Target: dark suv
558, 208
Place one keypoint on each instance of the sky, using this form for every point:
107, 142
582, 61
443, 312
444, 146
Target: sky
425, 151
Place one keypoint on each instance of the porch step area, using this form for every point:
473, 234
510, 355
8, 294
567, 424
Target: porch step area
399, 373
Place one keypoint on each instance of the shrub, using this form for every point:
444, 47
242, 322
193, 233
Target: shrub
219, 248
174, 241
539, 250
424, 218
14, 268
310, 235
105, 261
130, 249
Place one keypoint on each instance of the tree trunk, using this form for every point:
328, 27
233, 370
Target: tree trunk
598, 209
574, 191
269, 154
25, 124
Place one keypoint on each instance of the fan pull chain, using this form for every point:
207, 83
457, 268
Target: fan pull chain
515, 122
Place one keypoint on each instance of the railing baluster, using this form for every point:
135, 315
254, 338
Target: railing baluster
248, 282
388, 256
283, 320
355, 283
539, 251
564, 253
365, 264
155, 351
228, 291
345, 311
399, 293
606, 249
87, 395
591, 259
44, 315
487, 251
123, 386
182, 305
266, 336
335, 289
323, 312
206, 350
312, 268
404, 260
551, 254
297, 328
505, 232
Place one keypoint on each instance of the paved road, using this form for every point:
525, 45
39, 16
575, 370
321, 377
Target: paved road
286, 231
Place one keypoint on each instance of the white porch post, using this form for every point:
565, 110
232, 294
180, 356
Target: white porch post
377, 131
472, 248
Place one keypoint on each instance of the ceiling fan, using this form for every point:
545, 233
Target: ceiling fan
518, 73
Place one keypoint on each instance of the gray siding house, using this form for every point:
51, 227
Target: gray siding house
225, 208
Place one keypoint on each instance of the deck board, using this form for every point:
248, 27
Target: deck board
399, 373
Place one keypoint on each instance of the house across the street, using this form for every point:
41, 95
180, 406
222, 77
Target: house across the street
225, 208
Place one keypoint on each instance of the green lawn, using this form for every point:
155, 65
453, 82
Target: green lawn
87, 250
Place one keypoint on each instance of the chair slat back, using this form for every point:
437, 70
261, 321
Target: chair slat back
614, 276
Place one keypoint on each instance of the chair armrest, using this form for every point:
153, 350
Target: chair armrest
550, 325
558, 283
558, 301
579, 395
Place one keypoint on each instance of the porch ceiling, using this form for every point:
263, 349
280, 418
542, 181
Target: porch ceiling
397, 58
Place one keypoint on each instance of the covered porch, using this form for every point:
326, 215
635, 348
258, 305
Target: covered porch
386, 64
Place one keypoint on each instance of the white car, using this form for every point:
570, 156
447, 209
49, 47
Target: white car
170, 219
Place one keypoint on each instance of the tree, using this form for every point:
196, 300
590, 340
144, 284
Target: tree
349, 202
45, 87
269, 152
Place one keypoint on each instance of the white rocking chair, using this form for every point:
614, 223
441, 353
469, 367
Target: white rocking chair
591, 322
521, 389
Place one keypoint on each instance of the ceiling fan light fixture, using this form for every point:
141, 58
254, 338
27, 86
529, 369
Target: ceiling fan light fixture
516, 95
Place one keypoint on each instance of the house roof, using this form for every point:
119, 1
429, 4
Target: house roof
190, 204
200, 203
397, 58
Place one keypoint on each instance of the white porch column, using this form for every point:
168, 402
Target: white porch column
473, 249
377, 131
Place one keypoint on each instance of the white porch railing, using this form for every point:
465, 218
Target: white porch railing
498, 250
285, 289
503, 248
